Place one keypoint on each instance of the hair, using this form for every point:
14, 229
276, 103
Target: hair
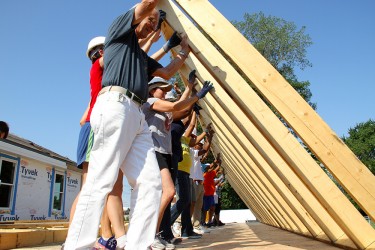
4, 128
94, 52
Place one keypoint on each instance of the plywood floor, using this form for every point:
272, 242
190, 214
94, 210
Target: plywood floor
251, 235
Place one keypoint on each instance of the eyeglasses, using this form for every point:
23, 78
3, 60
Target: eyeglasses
95, 52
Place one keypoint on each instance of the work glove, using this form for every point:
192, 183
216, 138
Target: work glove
172, 42
192, 76
207, 86
196, 108
162, 16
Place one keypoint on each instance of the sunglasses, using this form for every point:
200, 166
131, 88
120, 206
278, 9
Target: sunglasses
95, 52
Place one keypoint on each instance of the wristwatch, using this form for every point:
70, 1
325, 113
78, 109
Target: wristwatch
182, 53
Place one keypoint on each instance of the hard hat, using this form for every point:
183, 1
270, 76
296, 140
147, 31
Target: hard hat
99, 40
158, 82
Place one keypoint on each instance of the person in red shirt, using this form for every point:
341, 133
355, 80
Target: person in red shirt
95, 54
209, 189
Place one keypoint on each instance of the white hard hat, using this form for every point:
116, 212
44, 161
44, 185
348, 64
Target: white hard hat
158, 82
99, 40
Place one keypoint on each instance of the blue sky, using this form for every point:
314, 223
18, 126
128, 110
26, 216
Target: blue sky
44, 72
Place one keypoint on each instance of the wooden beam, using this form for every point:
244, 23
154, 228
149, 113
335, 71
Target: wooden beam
326, 145
246, 133
337, 205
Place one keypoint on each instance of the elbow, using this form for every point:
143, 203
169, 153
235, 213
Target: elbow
151, 4
164, 73
178, 106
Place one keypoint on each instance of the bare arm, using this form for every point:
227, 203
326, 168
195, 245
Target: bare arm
179, 115
183, 103
206, 145
166, 106
84, 116
190, 129
169, 71
204, 156
158, 54
101, 62
143, 9
146, 43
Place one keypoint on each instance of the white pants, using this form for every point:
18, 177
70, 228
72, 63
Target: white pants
121, 140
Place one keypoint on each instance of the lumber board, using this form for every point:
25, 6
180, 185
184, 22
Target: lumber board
244, 126
293, 223
271, 204
352, 174
336, 204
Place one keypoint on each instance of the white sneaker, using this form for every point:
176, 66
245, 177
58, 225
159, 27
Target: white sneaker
168, 246
201, 230
176, 229
157, 244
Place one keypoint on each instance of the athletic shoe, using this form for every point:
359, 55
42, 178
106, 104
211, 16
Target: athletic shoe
175, 241
193, 235
201, 230
176, 229
110, 244
157, 244
208, 225
168, 245
220, 223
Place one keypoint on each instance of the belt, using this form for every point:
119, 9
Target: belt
124, 91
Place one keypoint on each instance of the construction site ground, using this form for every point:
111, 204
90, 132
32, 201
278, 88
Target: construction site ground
250, 235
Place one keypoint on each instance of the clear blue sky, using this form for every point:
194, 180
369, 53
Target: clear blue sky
44, 72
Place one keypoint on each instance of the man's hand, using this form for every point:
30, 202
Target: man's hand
207, 86
162, 16
177, 88
218, 156
155, 37
196, 108
192, 76
172, 42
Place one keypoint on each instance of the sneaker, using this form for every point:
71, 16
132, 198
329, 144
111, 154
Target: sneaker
220, 223
201, 230
176, 229
168, 245
175, 241
157, 244
193, 235
207, 225
110, 244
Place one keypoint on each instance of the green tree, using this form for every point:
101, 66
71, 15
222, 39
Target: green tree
230, 199
361, 140
282, 44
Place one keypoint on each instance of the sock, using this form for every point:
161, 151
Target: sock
121, 241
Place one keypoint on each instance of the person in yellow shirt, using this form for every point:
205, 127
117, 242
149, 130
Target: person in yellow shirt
183, 185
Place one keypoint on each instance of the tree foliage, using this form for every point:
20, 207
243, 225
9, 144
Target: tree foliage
230, 199
282, 44
361, 140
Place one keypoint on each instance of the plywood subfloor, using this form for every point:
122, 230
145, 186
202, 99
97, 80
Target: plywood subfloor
251, 235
